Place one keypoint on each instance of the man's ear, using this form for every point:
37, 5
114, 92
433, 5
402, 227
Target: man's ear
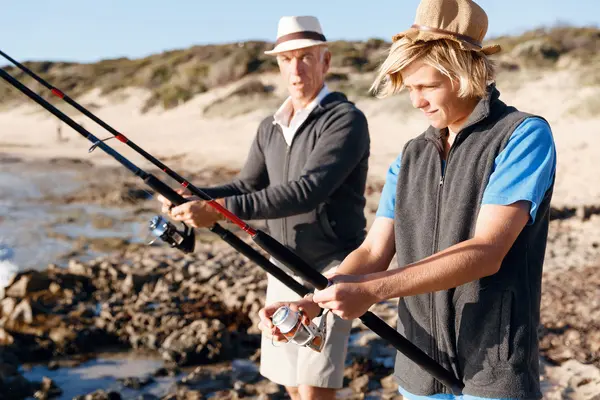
326, 61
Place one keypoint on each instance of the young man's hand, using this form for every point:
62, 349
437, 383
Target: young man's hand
349, 296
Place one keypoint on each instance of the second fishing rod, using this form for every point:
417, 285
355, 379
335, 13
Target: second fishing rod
265, 241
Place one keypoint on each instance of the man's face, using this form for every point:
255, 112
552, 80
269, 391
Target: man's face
432, 92
304, 71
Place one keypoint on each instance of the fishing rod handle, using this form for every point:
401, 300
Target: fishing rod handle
415, 354
254, 256
290, 259
164, 189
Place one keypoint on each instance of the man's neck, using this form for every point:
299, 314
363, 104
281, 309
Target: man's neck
301, 104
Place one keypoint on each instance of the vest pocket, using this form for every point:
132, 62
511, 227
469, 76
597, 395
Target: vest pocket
505, 340
484, 335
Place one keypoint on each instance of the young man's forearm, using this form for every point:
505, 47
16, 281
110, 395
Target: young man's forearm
464, 262
362, 262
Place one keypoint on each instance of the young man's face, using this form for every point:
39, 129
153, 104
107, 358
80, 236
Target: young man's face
433, 93
303, 71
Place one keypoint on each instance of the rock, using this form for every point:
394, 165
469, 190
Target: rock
47, 390
27, 282
207, 381
63, 335
202, 341
570, 314
348, 394
6, 339
162, 372
53, 365
7, 306
102, 221
134, 282
102, 395
136, 383
389, 383
77, 268
360, 384
22, 313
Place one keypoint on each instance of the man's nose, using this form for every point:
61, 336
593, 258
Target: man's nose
295, 65
417, 99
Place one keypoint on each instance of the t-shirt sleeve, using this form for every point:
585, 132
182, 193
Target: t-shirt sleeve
525, 169
387, 201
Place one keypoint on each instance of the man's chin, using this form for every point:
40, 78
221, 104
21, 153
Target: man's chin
298, 95
437, 124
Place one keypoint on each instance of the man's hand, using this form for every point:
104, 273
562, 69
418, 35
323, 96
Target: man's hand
349, 297
196, 213
309, 308
166, 203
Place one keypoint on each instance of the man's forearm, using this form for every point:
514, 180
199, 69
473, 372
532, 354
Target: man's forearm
462, 263
362, 262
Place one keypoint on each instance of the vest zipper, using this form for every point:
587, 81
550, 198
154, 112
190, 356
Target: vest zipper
438, 387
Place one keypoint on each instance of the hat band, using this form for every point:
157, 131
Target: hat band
300, 35
458, 36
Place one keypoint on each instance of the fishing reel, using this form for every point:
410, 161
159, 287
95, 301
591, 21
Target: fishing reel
161, 228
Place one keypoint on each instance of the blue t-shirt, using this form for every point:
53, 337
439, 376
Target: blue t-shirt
441, 396
523, 170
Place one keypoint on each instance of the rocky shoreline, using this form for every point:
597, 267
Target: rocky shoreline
201, 310
198, 312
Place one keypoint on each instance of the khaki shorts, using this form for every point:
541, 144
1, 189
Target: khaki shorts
291, 365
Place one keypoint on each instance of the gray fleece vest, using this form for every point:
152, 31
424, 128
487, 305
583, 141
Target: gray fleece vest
485, 331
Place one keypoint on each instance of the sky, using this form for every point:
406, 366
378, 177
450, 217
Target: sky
87, 31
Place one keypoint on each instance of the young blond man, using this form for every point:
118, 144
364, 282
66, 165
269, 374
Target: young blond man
466, 209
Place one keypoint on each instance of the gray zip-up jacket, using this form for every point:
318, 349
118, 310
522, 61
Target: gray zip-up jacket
312, 192
485, 331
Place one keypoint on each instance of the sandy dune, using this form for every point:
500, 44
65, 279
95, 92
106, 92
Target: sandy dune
184, 132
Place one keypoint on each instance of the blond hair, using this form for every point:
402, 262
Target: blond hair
472, 70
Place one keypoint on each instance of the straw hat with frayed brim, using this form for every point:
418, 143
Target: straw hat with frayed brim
295, 33
462, 21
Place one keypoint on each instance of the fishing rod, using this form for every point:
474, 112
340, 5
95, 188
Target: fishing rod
265, 241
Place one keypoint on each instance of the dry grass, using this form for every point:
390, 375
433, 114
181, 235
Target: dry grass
250, 96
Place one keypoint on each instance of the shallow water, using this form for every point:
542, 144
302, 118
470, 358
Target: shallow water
33, 231
102, 373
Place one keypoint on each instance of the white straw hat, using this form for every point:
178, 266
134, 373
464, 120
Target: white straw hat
297, 33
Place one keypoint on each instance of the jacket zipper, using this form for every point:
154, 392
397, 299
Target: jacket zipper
286, 168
